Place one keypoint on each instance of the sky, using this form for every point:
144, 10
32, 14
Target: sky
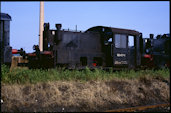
143, 16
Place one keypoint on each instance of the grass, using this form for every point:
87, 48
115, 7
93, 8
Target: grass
22, 76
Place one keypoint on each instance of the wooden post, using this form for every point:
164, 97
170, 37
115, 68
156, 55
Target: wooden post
41, 22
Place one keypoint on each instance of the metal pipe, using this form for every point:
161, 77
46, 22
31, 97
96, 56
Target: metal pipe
41, 22
76, 28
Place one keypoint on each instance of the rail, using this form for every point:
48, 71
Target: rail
139, 108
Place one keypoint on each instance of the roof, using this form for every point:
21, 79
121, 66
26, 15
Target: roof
114, 30
125, 31
5, 16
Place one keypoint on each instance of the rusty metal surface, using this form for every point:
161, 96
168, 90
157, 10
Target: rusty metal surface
139, 108
16, 61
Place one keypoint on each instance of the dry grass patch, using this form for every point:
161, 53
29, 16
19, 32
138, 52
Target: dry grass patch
73, 96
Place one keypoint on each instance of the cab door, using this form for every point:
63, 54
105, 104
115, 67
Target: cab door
120, 50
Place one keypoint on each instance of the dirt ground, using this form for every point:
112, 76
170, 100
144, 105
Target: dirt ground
74, 96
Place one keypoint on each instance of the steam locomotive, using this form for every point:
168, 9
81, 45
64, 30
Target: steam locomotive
156, 52
99, 47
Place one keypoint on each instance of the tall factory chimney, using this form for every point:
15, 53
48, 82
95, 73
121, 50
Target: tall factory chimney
41, 22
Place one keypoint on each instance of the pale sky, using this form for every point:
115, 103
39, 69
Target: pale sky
143, 16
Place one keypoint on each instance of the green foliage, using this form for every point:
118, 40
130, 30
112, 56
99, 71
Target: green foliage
21, 76
4, 73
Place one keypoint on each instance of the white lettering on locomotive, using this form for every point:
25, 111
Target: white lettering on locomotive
121, 62
121, 55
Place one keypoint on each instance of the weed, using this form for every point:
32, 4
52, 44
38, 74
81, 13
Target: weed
21, 76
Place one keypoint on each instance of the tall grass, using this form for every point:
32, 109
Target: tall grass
22, 76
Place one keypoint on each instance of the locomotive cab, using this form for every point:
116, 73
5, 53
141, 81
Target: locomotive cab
119, 46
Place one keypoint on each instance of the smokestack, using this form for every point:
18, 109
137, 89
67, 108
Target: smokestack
151, 36
41, 22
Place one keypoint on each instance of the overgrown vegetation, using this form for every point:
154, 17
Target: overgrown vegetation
22, 75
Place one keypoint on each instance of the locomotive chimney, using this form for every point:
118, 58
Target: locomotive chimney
41, 23
58, 26
151, 36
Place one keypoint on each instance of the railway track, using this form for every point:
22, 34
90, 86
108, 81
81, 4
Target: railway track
142, 108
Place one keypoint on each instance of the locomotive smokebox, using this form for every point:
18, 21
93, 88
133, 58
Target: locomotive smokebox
151, 36
58, 26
